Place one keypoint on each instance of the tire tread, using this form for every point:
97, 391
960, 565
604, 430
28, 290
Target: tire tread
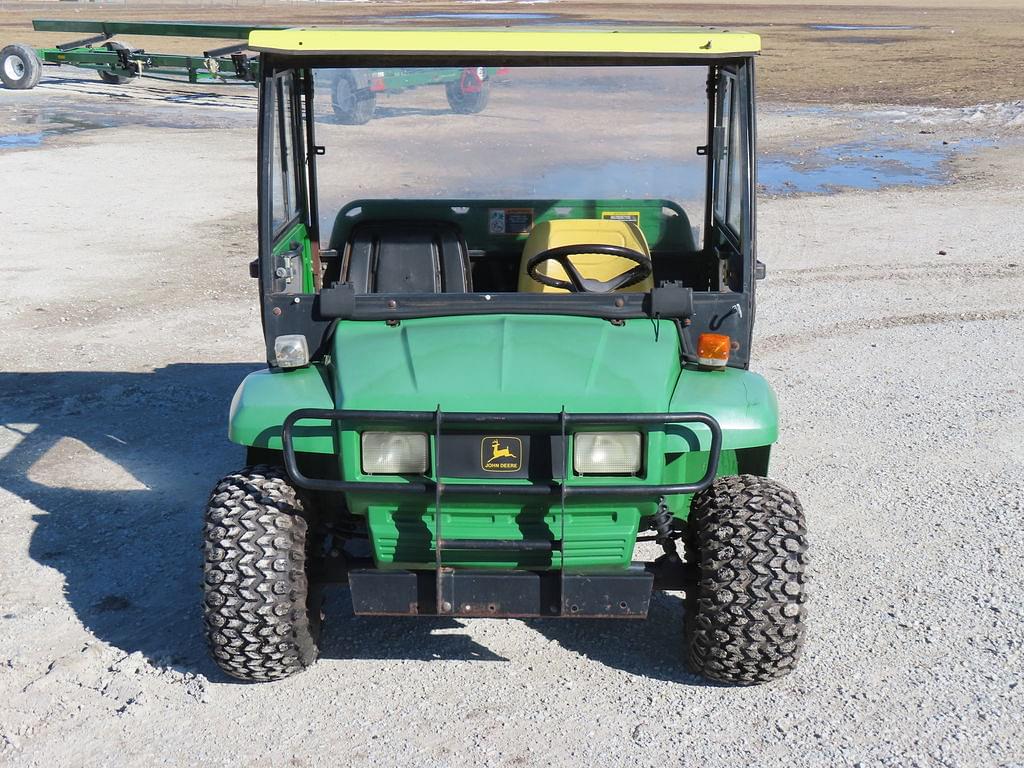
746, 621
257, 617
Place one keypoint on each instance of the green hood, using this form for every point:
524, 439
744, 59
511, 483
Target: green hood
506, 363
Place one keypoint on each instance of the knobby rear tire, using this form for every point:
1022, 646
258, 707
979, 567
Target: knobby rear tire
262, 618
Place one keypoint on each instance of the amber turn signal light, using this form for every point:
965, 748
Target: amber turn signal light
713, 350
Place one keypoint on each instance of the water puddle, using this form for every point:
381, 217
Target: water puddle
857, 166
37, 127
825, 170
21, 140
57, 124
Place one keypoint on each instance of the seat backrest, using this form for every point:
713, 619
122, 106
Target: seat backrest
407, 257
595, 266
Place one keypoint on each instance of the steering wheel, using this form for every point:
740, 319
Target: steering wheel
577, 283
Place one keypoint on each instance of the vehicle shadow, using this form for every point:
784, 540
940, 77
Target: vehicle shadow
346, 636
119, 466
651, 647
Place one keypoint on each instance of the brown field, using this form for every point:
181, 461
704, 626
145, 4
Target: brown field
954, 53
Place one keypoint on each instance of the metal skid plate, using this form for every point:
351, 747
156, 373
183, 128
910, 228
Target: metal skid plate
501, 593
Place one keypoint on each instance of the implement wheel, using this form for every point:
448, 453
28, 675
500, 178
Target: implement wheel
113, 78
745, 621
352, 106
262, 617
20, 68
468, 96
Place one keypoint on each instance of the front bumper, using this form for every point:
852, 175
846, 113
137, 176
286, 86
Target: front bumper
444, 590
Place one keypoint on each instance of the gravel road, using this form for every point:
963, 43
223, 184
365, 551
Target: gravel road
890, 325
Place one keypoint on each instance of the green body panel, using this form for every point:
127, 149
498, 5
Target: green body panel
742, 401
506, 363
266, 397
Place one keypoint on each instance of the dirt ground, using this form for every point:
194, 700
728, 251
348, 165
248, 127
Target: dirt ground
890, 325
939, 52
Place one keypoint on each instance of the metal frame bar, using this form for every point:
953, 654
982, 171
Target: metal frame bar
88, 41
438, 487
152, 28
194, 68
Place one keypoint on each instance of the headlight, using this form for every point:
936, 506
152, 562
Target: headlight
606, 453
291, 351
394, 453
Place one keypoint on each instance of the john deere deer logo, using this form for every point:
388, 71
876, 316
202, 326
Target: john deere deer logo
498, 452
501, 454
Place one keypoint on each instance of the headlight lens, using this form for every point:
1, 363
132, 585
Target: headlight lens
606, 453
394, 453
291, 351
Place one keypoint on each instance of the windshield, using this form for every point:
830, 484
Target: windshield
515, 134
471, 190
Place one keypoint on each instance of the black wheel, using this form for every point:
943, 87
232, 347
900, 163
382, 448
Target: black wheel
20, 68
109, 77
352, 106
261, 616
470, 94
746, 618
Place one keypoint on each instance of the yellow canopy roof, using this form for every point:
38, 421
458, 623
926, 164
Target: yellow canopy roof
577, 42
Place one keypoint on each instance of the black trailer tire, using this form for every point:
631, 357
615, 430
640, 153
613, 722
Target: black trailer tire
20, 68
261, 616
112, 78
352, 105
465, 102
746, 619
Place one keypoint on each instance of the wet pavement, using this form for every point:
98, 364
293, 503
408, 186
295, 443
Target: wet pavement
854, 166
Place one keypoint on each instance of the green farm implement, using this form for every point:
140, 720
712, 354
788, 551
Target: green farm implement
354, 91
498, 358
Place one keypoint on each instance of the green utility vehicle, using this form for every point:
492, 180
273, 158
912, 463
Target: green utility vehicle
353, 92
502, 352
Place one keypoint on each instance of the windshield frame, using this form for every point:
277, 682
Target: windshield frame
730, 254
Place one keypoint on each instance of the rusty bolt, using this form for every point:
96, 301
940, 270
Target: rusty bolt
277, 311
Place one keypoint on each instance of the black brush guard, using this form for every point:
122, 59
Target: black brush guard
448, 591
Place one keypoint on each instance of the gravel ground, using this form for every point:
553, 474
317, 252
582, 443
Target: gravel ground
890, 325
